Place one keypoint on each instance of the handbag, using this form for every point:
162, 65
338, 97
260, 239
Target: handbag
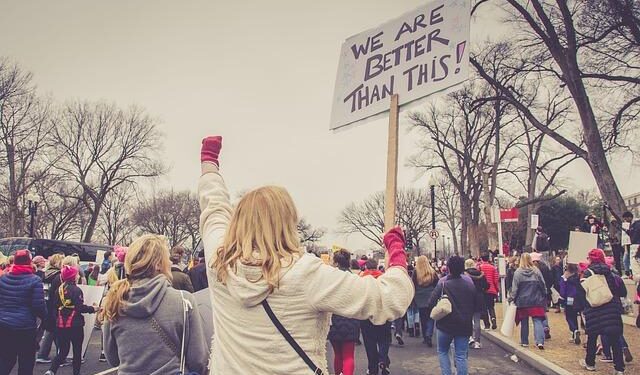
292, 342
443, 307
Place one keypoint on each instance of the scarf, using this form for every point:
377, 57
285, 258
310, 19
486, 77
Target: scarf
20, 269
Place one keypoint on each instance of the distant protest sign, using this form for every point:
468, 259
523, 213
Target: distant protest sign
580, 244
422, 52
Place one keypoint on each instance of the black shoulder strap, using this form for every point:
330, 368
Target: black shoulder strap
291, 340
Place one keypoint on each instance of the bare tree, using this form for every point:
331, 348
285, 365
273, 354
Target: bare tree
556, 42
170, 214
460, 140
308, 234
448, 207
115, 224
413, 212
59, 209
24, 136
104, 147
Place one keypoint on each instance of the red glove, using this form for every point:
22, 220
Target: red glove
394, 242
211, 150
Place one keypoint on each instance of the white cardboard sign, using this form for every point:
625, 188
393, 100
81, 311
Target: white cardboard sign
535, 221
417, 54
580, 243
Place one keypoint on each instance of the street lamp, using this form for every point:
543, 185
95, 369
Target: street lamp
32, 201
432, 188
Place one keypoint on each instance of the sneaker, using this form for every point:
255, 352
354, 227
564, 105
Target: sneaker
102, 358
547, 334
384, 370
576, 338
399, 339
540, 346
471, 341
584, 365
494, 324
477, 345
599, 350
627, 355
43, 360
49, 372
524, 345
618, 372
606, 360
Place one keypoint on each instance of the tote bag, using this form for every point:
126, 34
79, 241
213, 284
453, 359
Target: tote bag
509, 322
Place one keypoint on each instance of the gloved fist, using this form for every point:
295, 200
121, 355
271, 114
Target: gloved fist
210, 150
394, 242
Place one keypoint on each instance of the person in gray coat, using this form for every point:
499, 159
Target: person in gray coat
146, 319
425, 280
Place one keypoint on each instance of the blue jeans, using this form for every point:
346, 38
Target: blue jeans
461, 344
426, 323
626, 260
538, 330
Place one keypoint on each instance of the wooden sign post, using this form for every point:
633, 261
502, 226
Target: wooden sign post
392, 166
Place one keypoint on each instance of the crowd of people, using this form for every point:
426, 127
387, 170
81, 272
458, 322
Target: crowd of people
160, 316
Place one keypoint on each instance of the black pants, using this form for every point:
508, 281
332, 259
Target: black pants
618, 361
618, 252
17, 345
66, 337
377, 340
490, 303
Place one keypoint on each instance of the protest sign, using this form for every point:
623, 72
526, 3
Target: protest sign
535, 221
580, 243
417, 54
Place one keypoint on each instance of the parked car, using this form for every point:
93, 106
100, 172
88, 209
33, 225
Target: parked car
39, 246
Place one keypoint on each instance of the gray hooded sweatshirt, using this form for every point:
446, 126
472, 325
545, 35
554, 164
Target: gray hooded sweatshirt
147, 338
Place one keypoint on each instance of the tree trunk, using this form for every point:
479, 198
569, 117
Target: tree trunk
88, 234
596, 158
492, 229
465, 219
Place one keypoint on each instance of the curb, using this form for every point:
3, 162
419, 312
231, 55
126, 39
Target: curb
535, 361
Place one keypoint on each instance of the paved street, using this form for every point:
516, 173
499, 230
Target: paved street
412, 359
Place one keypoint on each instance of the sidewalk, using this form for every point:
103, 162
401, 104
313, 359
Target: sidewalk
564, 354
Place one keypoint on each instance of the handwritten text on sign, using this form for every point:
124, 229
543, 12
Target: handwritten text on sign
420, 53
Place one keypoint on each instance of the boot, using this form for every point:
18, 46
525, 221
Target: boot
417, 329
411, 332
494, 324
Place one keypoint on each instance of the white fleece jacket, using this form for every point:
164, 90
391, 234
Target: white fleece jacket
245, 340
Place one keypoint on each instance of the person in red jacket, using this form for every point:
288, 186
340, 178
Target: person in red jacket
490, 295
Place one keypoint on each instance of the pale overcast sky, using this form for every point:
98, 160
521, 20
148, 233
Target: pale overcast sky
259, 73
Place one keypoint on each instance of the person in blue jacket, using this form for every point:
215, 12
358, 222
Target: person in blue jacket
21, 302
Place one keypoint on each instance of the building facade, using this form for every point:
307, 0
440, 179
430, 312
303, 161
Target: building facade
633, 204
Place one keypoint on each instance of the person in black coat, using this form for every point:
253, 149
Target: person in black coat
604, 320
344, 332
69, 320
481, 285
198, 274
457, 326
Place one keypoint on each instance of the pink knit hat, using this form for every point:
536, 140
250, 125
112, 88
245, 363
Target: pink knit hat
38, 261
69, 273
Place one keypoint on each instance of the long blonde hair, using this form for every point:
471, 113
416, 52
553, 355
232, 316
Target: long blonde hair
525, 261
425, 274
148, 257
262, 232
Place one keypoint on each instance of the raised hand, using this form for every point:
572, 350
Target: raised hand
210, 150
